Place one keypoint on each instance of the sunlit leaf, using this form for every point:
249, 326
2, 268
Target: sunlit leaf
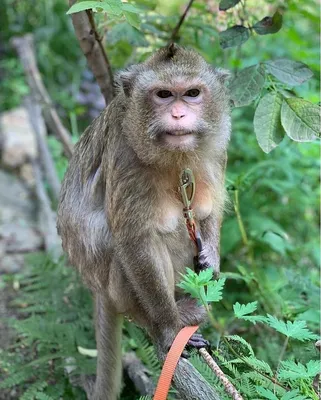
269, 24
113, 7
242, 309
287, 71
247, 85
133, 19
87, 352
214, 290
234, 36
300, 119
267, 122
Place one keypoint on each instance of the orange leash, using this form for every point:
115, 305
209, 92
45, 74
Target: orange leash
166, 376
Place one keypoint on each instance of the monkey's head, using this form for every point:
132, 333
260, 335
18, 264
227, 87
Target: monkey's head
175, 103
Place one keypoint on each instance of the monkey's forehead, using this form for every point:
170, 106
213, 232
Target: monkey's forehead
175, 77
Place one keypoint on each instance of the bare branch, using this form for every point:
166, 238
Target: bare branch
229, 388
93, 49
138, 373
25, 49
47, 216
190, 384
39, 128
180, 23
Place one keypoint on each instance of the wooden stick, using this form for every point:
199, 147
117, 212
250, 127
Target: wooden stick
229, 388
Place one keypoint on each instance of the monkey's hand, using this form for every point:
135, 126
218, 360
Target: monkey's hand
200, 263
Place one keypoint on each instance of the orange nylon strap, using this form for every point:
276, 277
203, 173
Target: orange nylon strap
166, 376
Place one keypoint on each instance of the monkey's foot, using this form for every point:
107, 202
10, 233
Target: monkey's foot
197, 341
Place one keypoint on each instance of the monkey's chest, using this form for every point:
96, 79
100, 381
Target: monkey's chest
170, 211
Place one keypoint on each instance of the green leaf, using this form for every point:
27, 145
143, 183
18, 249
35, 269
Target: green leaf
234, 36
293, 370
214, 290
227, 4
267, 122
205, 276
295, 330
269, 25
125, 32
293, 395
239, 339
300, 119
133, 19
275, 241
113, 7
287, 71
131, 8
247, 85
242, 309
259, 365
266, 393
87, 352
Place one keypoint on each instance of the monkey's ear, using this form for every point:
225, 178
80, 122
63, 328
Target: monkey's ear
126, 78
223, 75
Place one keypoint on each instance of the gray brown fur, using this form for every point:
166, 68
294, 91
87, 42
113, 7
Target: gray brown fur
120, 215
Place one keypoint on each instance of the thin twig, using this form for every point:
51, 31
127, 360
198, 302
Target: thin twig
25, 48
180, 23
93, 49
229, 388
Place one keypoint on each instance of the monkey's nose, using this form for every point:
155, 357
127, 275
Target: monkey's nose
178, 115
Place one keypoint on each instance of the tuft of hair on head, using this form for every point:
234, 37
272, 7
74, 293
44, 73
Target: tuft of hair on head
125, 79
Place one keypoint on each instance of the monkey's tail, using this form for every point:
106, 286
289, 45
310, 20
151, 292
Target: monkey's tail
108, 336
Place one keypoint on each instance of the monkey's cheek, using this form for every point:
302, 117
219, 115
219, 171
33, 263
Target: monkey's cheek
183, 142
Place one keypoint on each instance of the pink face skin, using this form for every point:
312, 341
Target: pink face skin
179, 108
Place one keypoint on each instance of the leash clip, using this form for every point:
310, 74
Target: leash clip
187, 191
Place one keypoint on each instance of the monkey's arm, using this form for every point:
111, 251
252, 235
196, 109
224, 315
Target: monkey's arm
210, 232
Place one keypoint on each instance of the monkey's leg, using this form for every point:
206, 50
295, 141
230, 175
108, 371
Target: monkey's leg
108, 336
148, 269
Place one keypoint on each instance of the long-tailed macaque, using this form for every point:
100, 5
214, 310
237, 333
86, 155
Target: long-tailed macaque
120, 213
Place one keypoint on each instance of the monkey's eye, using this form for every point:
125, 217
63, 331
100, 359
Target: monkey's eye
192, 93
164, 94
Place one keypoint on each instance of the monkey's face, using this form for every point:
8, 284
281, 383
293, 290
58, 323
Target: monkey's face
177, 111
175, 102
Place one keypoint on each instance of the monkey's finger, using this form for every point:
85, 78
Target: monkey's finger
198, 341
185, 354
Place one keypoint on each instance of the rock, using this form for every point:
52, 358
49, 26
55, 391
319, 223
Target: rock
19, 232
17, 138
11, 263
20, 237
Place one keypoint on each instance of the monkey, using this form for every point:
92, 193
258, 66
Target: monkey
120, 213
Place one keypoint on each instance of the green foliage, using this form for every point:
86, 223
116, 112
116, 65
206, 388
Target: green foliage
243, 367
201, 286
56, 311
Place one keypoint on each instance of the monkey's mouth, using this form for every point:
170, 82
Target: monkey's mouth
179, 133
